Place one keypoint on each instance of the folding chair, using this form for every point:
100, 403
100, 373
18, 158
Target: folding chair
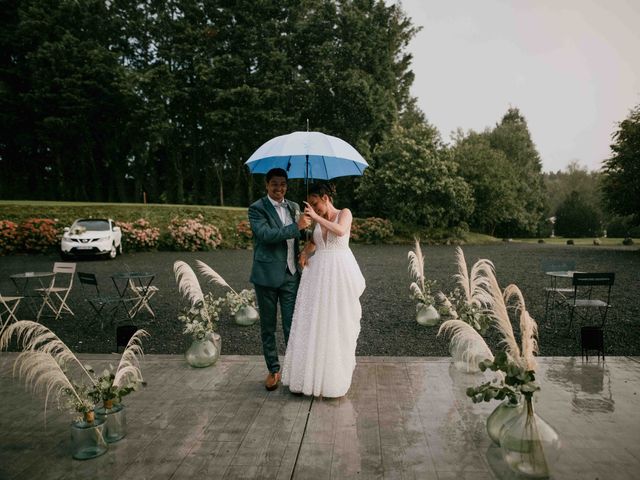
9, 311
584, 285
553, 291
143, 295
58, 289
97, 300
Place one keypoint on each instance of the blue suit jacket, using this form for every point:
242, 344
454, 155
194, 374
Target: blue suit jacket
270, 242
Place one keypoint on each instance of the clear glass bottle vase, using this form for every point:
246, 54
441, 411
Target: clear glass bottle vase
427, 315
246, 316
204, 352
115, 421
87, 440
500, 417
529, 444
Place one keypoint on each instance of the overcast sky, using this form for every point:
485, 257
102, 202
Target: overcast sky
572, 68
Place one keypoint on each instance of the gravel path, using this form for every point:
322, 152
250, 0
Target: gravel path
388, 325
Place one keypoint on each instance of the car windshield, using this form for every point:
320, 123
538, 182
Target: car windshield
91, 225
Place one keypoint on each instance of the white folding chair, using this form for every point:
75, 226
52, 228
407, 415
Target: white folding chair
58, 289
143, 295
9, 311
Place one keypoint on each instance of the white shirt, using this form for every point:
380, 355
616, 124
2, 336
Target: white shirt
285, 216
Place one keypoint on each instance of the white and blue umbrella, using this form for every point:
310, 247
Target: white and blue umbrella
308, 155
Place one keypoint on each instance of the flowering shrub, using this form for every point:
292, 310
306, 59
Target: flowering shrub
244, 232
39, 234
192, 234
139, 235
371, 230
8, 236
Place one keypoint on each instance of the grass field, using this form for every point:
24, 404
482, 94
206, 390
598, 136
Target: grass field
226, 218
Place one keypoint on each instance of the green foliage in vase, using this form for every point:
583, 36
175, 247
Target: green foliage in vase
113, 384
516, 362
517, 380
201, 316
470, 300
233, 300
49, 366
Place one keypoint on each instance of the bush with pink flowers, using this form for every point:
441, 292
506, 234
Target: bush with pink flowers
9, 240
139, 235
39, 234
193, 234
243, 233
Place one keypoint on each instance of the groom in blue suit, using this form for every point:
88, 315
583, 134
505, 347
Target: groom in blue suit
276, 224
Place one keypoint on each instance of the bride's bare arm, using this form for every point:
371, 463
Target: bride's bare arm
306, 252
340, 228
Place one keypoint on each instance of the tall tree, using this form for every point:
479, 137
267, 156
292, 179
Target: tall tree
492, 179
412, 180
621, 186
512, 137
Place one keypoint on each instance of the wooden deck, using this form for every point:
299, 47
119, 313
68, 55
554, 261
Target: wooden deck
404, 418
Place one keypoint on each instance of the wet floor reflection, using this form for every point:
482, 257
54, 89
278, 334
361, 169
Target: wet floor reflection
589, 384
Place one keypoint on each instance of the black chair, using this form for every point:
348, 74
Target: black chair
124, 334
592, 338
586, 285
100, 303
554, 293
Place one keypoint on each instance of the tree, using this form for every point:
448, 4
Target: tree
621, 172
576, 218
492, 179
512, 137
413, 180
574, 177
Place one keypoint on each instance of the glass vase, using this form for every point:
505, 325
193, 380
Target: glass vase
501, 416
427, 315
204, 352
87, 440
529, 444
246, 316
115, 421
462, 360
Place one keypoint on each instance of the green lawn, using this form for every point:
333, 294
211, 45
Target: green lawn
226, 218
577, 241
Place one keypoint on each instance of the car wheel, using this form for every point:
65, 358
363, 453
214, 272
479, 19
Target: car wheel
113, 252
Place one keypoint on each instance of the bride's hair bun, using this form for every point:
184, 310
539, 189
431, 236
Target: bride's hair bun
321, 188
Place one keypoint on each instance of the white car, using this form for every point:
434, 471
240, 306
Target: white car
91, 236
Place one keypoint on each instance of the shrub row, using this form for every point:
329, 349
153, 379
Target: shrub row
35, 235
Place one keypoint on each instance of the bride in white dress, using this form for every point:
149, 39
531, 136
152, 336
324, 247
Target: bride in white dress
321, 352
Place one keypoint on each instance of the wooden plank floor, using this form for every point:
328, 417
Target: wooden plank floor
404, 418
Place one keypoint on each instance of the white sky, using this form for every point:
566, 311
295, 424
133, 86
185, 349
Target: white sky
572, 68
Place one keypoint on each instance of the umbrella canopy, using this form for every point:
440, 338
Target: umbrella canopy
308, 155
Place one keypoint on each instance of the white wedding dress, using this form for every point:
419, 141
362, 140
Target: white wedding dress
321, 353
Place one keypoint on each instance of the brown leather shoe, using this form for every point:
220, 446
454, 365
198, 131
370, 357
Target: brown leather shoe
271, 383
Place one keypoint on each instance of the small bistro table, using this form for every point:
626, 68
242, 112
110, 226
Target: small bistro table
22, 282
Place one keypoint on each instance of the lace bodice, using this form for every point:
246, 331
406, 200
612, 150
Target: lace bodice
334, 242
